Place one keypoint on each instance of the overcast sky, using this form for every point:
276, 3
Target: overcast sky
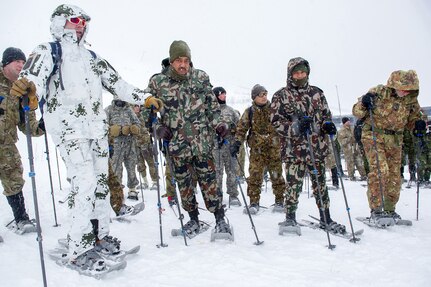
353, 45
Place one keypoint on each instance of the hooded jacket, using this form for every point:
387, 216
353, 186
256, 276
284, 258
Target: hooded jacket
74, 106
288, 106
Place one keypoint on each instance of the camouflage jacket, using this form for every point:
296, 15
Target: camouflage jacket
74, 106
122, 116
288, 106
12, 115
345, 136
259, 131
229, 116
391, 114
144, 136
191, 111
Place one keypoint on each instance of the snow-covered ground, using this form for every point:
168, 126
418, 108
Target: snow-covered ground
399, 256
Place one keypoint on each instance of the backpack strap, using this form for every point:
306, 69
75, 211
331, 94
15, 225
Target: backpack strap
56, 54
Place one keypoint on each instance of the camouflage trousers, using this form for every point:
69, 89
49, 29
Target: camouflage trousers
271, 161
295, 172
353, 159
125, 152
225, 162
241, 159
116, 190
203, 168
145, 155
87, 167
389, 153
11, 170
424, 164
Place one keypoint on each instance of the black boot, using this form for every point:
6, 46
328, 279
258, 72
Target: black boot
221, 225
332, 225
334, 174
193, 225
17, 204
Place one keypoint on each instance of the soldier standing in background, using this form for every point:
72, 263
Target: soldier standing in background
255, 127
350, 149
188, 124
11, 117
296, 110
331, 164
394, 108
221, 151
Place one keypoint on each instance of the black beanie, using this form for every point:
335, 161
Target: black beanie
257, 89
345, 120
218, 91
12, 54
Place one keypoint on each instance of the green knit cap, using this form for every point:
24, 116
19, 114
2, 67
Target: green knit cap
179, 49
300, 67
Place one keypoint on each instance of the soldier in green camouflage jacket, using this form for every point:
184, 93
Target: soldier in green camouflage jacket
264, 143
11, 117
189, 121
394, 108
297, 110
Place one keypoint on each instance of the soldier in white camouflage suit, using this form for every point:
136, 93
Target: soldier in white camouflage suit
221, 152
124, 127
189, 122
11, 117
351, 151
77, 123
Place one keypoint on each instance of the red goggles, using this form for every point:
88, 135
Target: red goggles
78, 21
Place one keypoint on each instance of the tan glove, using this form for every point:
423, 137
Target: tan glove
23, 87
153, 102
114, 131
135, 130
125, 130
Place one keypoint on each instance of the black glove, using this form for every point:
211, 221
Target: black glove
368, 100
163, 132
329, 128
222, 130
420, 128
111, 151
41, 124
305, 124
234, 148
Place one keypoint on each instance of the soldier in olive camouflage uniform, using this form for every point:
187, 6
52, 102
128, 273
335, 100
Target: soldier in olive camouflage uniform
351, 151
424, 144
296, 110
124, 126
408, 155
221, 152
77, 123
188, 123
144, 149
264, 143
394, 108
11, 117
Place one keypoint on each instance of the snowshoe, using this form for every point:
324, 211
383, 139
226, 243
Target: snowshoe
91, 264
316, 225
191, 229
153, 186
378, 219
108, 245
278, 207
398, 220
222, 230
24, 226
289, 225
252, 208
133, 195
127, 211
234, 201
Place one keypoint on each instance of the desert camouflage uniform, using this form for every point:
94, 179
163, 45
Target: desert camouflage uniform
191, 112
144, 148
11, 169
289, 105
391, 116
351, 152
116, 190
264, 146
124, 143
222, 156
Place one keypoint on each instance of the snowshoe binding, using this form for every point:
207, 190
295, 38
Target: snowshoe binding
234, 201
23, 226
252, 208
278, 207
132, 195
191, 229
289, 225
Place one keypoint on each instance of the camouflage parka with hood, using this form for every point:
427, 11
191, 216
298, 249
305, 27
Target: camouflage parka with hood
191, 111
74, 107
288, 106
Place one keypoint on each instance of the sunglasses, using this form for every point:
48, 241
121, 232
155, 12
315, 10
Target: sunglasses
78, 21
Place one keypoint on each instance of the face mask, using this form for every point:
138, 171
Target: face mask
300, 82
120, 104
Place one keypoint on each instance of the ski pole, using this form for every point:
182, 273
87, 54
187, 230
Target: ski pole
32, 175
58, 168
171, 169
353, 239
50, 179
313, 161
258, 242
153, 121
420, 144
379, 172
